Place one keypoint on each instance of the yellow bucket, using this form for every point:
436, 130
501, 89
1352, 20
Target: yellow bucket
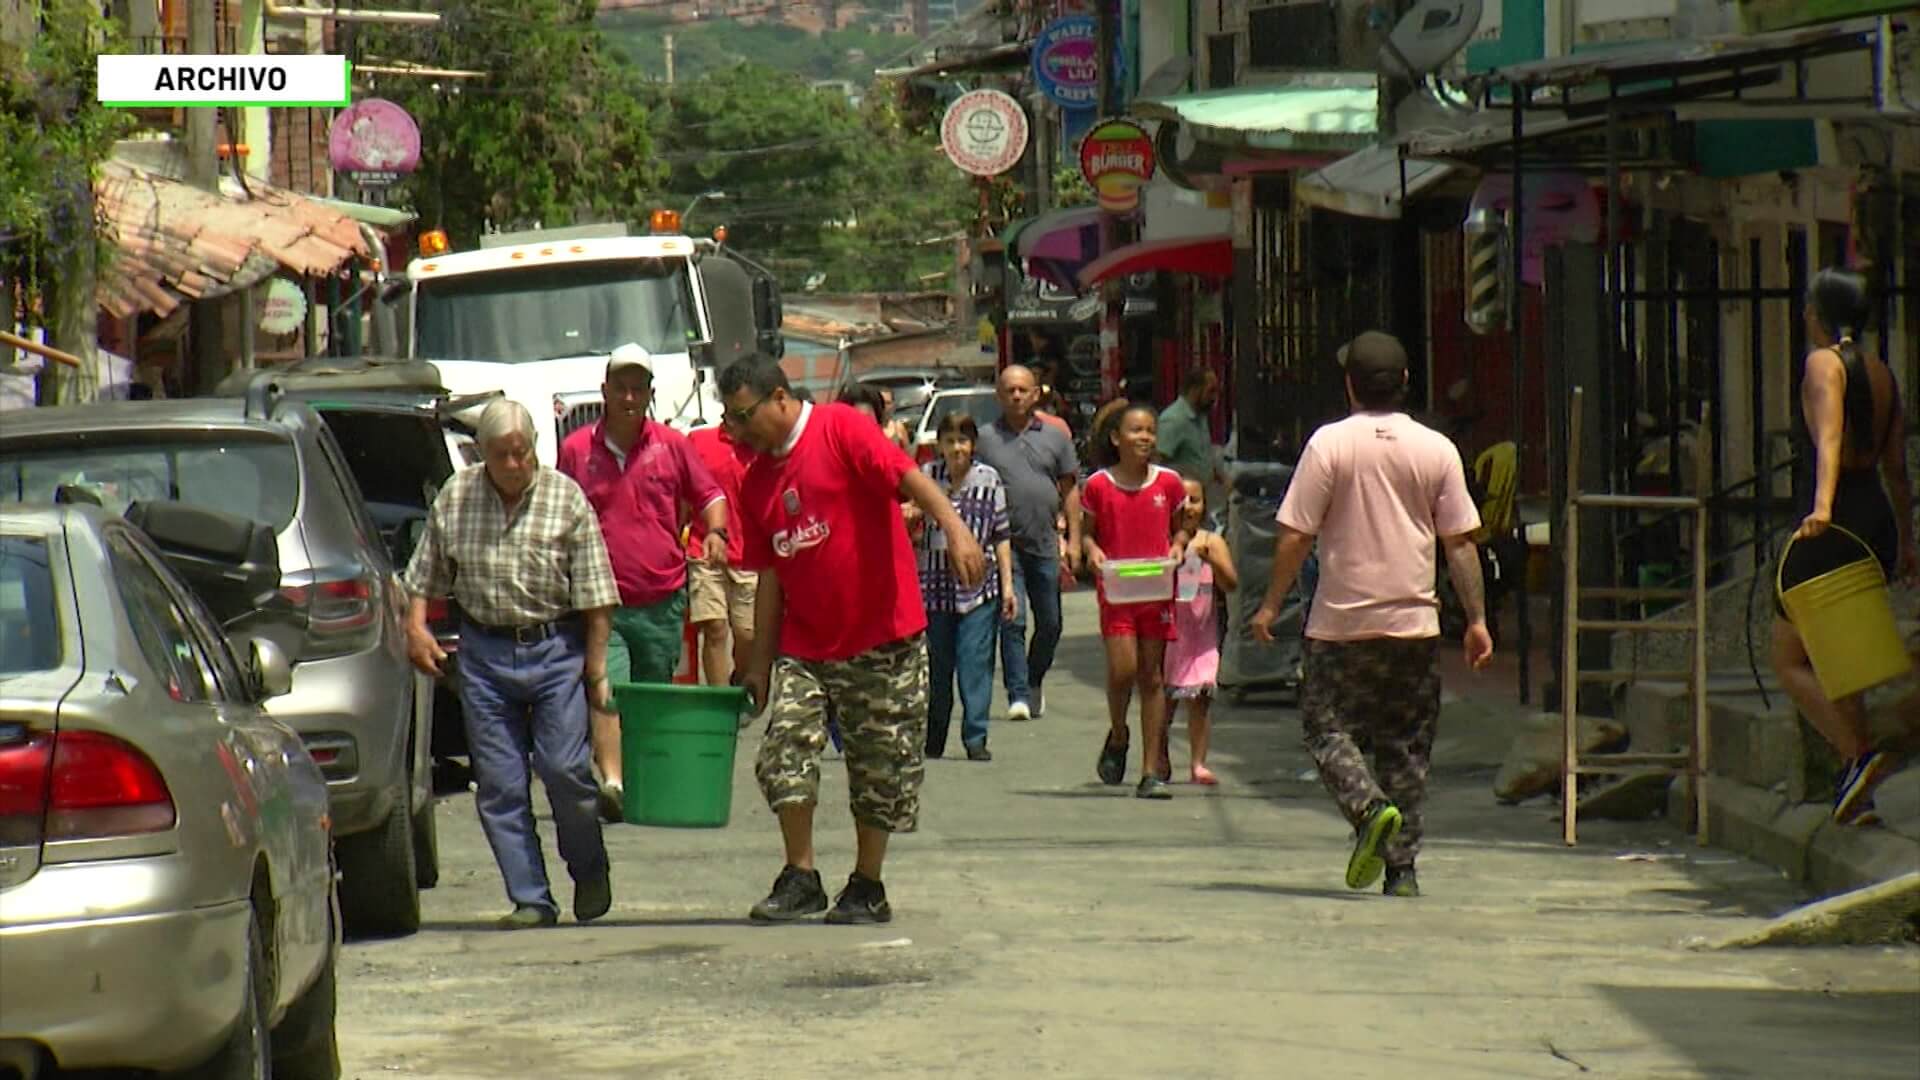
1845, 620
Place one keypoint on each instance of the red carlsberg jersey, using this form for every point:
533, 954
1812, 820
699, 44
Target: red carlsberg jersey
824, 514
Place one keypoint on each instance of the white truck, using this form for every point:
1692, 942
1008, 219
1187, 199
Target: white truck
536, 314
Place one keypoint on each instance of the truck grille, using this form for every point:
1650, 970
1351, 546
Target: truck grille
578, 416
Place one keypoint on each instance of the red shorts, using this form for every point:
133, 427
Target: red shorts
1144, 622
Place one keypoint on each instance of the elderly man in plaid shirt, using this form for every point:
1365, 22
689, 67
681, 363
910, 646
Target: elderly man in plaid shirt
518, 547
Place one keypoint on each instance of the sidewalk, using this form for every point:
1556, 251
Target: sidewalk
1049, 926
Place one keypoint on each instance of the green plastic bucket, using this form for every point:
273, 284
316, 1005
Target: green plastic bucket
676, 746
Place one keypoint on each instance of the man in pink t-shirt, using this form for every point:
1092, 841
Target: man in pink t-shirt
638, 473
838, 623
1379, 491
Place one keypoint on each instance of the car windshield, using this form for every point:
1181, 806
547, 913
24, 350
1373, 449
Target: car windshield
250, 476
984, 407
29, 625
547, 312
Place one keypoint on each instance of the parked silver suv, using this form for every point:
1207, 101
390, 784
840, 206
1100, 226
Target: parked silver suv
358, 705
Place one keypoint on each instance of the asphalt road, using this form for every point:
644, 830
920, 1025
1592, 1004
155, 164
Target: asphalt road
1046, 925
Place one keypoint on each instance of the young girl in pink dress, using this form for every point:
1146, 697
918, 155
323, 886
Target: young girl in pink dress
1193, 656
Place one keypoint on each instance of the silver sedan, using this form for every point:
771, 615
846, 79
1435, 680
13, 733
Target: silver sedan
166, 885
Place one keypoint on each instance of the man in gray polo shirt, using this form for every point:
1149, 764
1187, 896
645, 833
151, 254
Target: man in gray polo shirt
1038, 465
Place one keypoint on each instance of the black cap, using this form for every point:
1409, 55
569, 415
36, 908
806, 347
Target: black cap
1375, 361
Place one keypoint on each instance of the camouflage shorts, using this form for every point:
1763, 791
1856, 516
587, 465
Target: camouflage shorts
880, 698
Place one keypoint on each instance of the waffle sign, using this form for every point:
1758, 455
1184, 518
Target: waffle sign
1116, 157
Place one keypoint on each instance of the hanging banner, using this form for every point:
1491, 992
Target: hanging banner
1117, 159
984, 132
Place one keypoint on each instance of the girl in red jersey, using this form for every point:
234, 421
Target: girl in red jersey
1129, 510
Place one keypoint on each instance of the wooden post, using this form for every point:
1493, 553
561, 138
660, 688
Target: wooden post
1570, 629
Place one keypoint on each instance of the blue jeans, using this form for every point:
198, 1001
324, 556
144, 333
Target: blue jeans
526, 702
1036, 585
962, 646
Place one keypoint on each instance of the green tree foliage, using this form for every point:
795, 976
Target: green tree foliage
556, 133
53, 137
812, 185
702, 48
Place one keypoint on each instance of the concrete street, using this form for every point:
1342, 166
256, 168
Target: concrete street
1046, 925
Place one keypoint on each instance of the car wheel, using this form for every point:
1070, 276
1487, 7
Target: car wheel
426, 847
379, 887
305, 1046
248, 1052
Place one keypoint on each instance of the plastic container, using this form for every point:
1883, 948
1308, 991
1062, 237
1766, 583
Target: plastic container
677, 745
1138, 581
1845, 619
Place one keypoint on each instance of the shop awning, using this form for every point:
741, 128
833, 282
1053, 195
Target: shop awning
380, 217
176, 243
1328, 112
1370, 184
1204, 256
1055, 245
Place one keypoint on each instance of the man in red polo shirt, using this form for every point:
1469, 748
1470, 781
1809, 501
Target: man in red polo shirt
720, 598
839, 623
638, 473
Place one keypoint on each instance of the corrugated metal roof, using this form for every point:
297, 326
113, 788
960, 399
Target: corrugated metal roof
177, 243
1675, 58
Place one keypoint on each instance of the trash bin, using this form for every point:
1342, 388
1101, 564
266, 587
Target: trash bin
677, 744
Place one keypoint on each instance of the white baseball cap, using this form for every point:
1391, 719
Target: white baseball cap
630, 355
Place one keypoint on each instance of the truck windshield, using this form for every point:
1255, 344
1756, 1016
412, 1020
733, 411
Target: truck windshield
546, 312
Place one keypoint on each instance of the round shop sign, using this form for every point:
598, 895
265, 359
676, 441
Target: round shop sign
374, 136
1117, 158
284, 307
984, 132
1066, 62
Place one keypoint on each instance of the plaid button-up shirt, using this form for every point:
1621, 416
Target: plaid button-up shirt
544, 561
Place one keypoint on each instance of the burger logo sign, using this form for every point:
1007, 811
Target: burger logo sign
1117, 158
984, 132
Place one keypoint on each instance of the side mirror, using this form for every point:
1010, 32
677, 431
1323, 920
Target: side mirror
272, 675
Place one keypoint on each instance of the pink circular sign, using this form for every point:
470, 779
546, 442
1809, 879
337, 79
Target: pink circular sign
374, 136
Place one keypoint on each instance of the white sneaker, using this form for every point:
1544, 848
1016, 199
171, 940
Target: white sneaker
1019, 711
1039, 703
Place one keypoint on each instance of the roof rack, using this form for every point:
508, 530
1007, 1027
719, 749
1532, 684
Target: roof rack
263, 392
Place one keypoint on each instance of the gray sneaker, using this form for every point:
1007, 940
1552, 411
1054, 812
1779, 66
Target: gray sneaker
1152, 787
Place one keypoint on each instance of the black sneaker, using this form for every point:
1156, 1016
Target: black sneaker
1401, 882
863, 901
1113, 761
1152, 787
979, 753
592, 897
796, 894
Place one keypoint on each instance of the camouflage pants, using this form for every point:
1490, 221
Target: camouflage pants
1377, 699
880, 698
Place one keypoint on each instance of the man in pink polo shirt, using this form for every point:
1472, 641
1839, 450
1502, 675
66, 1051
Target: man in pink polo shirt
638, 473
1377, 489
839, 623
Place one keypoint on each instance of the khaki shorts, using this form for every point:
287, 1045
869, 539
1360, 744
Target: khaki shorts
727, 594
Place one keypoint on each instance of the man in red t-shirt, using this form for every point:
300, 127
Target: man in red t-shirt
720, 598
839, 623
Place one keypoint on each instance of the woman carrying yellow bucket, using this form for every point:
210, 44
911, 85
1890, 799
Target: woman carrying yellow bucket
1835, 636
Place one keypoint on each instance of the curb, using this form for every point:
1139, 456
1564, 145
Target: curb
1799, 839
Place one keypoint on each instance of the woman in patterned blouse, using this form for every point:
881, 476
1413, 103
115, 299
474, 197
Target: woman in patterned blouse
963, 624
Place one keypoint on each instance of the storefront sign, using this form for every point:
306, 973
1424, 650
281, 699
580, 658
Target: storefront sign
1117, 159
1066, 62
285, 306
374, 136
984, 132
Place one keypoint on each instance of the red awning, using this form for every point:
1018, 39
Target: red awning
1205, 256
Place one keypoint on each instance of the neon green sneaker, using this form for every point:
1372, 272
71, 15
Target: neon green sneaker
1366, 865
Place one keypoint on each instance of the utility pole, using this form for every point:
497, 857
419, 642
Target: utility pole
202, 168
666, 43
